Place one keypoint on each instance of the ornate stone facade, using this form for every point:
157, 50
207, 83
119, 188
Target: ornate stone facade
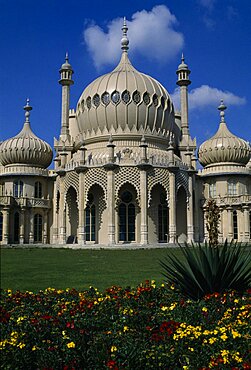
125, 169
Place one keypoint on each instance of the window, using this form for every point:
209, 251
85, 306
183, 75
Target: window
126, 218
18, 187
90, 219
38, 228
1, 226
212, 190
231, 187
235, 225
1, 189
163, 219
16, 227
38, 189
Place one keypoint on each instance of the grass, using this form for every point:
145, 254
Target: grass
35, 269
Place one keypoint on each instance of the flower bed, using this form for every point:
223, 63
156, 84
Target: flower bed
148, 327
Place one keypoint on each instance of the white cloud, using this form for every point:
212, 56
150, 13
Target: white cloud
206, 96
151, 34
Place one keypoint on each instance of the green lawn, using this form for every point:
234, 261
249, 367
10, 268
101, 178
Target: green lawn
35, 269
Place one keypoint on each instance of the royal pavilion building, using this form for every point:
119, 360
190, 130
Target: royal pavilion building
125, 169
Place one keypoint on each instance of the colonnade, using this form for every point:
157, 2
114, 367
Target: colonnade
112, 229
25, 226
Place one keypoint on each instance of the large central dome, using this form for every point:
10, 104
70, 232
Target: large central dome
125, 101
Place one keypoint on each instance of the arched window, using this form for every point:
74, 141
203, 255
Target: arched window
90, 219
38, 228
231, 187
126, 218
235, 225
16, 227
18, 187
1, 226
38, 189
163, 219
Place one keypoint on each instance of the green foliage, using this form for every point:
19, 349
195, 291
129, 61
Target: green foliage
212, 218
207, 270
147, 327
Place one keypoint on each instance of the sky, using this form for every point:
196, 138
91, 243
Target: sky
214, 35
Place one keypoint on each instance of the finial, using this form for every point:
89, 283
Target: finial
27, 109
222, 108
124, 40
182, 58
66, 57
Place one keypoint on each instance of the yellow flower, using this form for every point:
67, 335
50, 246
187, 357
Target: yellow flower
114, 349
235, 334
21, 345
204, 309
191, 349
224, 337
71, 345
164, 308
125, 328
34, 348
212, 340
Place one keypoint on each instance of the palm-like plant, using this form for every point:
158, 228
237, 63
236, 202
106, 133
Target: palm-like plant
207, 270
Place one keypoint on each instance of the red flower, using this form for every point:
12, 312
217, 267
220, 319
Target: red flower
111, 364
70, 325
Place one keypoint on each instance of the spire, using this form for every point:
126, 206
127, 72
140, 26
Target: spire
182, 58
124, 40
222, 108
27, 109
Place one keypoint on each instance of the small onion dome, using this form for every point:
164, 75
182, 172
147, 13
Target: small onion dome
183, 65
125, 100
224, 147
66, 64
26, 148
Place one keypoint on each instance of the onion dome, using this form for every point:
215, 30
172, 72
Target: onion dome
125, 101
224, 147
26, 148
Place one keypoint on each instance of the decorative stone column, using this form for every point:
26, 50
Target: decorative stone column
62, 225
21, 239
45, 227
55, 216
110, 167
220, 234
190, 218
6, 221
247, 235
143, 207
31, 233
143, 166
230, 224
172, 208
81, 211
206, 237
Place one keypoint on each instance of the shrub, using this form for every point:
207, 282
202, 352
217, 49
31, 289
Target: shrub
207, 270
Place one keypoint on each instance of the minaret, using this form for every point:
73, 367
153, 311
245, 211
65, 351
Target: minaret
183, 81
66, 81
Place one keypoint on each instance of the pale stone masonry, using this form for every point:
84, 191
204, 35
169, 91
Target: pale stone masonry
125, 169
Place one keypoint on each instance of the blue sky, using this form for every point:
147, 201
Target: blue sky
215, 36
